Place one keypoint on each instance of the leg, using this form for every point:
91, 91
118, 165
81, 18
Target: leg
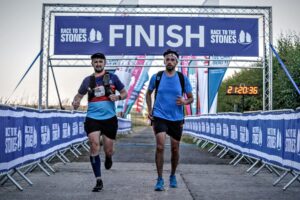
159, 160
108, 146
108, 150
174, 155
159, 154
95, 158
94, 143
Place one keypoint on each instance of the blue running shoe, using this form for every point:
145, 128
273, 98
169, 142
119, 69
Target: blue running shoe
173, 181
160, 184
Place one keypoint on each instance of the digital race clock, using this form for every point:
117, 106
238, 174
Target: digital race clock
242, 90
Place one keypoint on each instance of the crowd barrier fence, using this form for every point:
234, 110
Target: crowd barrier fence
31, 138
271, 138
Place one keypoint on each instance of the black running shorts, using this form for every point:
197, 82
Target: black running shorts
107, 127
172, 128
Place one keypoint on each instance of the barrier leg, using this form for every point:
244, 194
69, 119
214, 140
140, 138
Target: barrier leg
253, 165
51, 158
6, 178
232, 161
295, 173
275, 171
14, 182
30, 169
227, 150
221, 151
280, 178
75, 147
84, 147
195, 139
260, 168
290, 182
199, 142
24, 177
47, 165
204, 144
73, 152
239, 160
43, 169
64, 157
214, 148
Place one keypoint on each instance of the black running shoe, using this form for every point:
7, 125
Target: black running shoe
108, 162
99, 186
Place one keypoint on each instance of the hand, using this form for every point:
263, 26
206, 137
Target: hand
113, 97
75, 104
180, 100
150, 117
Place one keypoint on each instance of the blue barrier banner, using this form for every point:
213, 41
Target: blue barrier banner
271, 136
28, 134
137, 35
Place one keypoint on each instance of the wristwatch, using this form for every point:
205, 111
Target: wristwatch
119, 97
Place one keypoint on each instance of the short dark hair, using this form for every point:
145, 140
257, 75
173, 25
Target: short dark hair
170, 51
98, 55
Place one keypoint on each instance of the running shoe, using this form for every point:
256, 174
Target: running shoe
99, 186
173, 181
160, 184
108, 162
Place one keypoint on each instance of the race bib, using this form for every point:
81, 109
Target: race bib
99, 91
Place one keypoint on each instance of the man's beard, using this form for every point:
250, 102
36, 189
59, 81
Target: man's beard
170, 68
99, 69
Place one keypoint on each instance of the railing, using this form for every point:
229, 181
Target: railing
270, 138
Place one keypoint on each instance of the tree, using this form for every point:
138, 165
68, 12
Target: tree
284, 94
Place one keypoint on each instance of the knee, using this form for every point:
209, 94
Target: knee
175, 150
95, 147
160, 148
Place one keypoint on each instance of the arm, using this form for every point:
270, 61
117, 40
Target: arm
149, 103
76, 101
122, 96
181, 101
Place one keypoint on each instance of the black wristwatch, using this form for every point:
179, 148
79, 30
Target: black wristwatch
119, 97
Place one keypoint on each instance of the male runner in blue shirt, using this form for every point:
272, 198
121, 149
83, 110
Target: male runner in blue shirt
167, 113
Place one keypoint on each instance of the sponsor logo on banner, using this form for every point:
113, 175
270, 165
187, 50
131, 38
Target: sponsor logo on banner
30, 136
244, 134
234, 132
55, 132
256, 135
13, 139
225, 130
212, 128
290, 140
273, 138
298, 142
219, 129
45, 135
81, 128
75, 128
66, 132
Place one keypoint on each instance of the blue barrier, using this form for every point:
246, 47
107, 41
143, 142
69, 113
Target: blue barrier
273, 137
28, 135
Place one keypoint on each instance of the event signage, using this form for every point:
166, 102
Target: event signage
141, 35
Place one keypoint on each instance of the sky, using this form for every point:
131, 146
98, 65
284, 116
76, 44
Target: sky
20, 37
